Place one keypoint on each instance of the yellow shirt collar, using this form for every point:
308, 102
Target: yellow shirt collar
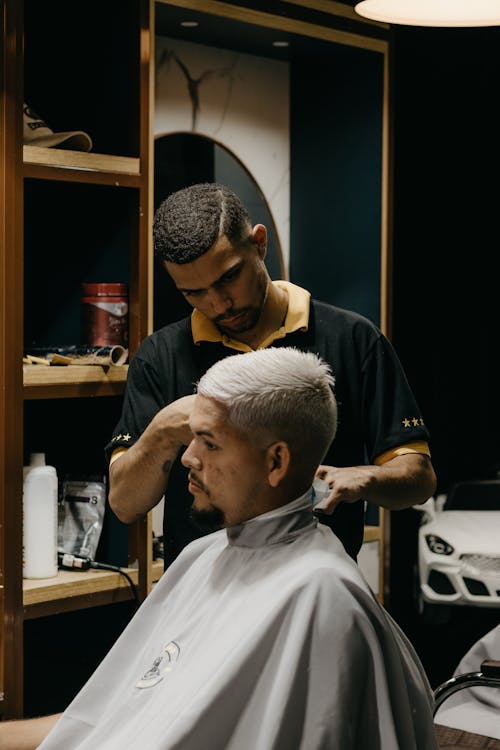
297, 318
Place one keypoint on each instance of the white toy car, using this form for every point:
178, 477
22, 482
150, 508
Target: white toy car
459, 550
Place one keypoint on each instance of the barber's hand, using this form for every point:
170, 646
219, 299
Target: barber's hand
347, 485
174, 419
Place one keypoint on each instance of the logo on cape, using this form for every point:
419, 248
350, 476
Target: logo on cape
163, 664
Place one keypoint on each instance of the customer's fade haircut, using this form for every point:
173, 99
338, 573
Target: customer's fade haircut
280, 393
190, 221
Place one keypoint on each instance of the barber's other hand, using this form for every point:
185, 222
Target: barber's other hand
346, 484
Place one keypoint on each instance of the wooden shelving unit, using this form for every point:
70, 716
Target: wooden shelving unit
68, 217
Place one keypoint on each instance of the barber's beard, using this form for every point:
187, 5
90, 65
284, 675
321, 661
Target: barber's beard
250, 318
251, 314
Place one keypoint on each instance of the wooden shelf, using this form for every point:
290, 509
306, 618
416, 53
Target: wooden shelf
72, 381
79, 166
372, 534
71, 590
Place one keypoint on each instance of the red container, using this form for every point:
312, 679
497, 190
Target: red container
105, 314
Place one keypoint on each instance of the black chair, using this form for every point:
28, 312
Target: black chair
488, 676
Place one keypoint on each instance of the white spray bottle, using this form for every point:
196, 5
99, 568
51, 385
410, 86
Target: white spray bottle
39, 519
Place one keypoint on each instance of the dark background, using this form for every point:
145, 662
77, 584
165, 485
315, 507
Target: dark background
446, 314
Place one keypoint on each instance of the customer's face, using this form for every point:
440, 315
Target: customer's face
227, 284
227, 472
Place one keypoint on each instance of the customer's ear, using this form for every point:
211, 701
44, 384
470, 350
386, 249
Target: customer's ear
278, 461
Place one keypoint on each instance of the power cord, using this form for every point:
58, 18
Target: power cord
67, 561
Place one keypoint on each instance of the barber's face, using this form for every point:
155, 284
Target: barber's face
227, 284
227, 473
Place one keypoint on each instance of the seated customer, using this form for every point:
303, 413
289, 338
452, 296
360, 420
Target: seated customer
263, 635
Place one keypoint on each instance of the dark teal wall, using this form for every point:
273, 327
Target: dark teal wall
336, 157
446, 312
446, 319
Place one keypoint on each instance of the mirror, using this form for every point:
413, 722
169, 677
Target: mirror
182, 159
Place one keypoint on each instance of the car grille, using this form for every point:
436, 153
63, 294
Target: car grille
482, 563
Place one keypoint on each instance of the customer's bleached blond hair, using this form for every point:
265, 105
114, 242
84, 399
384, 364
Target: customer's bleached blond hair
279, 393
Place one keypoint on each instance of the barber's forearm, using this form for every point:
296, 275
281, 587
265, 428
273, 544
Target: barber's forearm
25, 734
402, 482
139, 476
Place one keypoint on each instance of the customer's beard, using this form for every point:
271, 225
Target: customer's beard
208, 519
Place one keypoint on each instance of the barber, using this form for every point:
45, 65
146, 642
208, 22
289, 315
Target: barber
215, 256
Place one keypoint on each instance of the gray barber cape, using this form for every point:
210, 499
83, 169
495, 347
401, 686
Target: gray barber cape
264, 636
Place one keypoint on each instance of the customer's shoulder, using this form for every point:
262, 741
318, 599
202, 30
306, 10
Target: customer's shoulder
331, 577
321, 560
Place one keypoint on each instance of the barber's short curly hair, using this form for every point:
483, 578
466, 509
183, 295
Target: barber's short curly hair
190, 221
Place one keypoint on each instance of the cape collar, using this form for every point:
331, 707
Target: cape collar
281, 525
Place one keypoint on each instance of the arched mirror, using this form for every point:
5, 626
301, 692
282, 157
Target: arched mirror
183, 159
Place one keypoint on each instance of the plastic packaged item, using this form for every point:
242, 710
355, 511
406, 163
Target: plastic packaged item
39, 519
105, 314
82, 516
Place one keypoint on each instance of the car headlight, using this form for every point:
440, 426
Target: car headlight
438, 545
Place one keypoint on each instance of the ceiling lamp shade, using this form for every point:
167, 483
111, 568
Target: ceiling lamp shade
432, 12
